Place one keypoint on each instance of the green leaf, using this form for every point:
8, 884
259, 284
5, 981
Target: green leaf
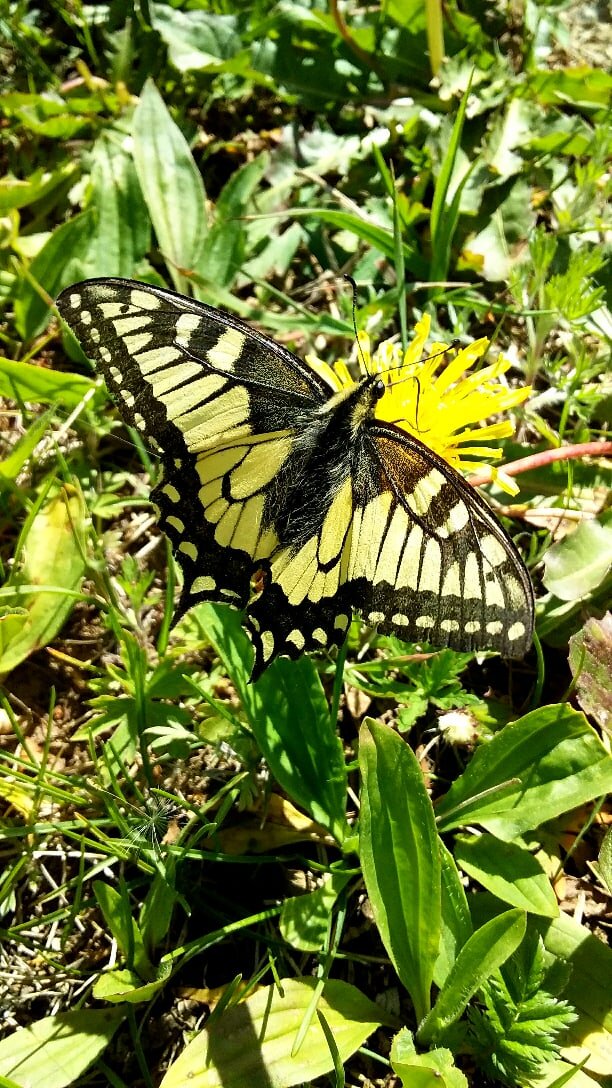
484, 953
39, 594
576, 565
590, 659
445, 205
57, 1050
20, 454
507, 870
379, 237
171, 184
21, 192
25, 382
122, 233
288, 713
125, 987
534, 769
304, 919
400, 857
196, 39
588, 990
251, 1043
456, 920
62, 260
116, 910
222, 255
435, 1069
604, 861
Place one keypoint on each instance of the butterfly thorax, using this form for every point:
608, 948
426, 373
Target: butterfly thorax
328, 450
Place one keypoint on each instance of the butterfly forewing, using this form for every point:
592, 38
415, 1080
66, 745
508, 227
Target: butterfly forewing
267, 483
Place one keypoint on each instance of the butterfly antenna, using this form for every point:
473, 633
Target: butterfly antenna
350, 280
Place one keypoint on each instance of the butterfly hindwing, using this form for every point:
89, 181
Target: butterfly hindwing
292, 502
409, 545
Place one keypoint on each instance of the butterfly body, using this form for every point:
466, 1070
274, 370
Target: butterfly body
271, 477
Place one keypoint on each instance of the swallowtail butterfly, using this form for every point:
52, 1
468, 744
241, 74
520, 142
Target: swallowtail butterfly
292, 501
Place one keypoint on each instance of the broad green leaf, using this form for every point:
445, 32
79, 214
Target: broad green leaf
57, 1050
486, 950
122, 234
304, 920
400, 857
491, 252
44, 114
456, 926
21, 192
436, 1069
125, 986
590, 660
252, 1042
196, 39
289, 715
237, 192
584, 86
507, 870
63, 260
588, 990
275, 258
576, 565
39, 594
534, 769
25, 382
126, 931
222, 255
171, 184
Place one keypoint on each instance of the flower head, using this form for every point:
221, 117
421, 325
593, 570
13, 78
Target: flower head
437, 400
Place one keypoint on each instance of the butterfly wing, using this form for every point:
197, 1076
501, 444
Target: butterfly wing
259, 478
218, 401
412, 547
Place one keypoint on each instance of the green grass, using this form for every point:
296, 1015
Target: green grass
367, 862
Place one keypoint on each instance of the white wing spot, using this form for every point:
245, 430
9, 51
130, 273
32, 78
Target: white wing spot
95, 335
176, 523
376, 617
472, 626
492, 550
171, 492
400, 620
86, 317
297, 638
190, 550
203, 584
144, 300
319, 635
517, 630
341, 622
185, 326
449, 625
267, 645
424, 621
495, 627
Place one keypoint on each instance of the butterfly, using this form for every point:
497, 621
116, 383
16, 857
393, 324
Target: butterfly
290, 500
